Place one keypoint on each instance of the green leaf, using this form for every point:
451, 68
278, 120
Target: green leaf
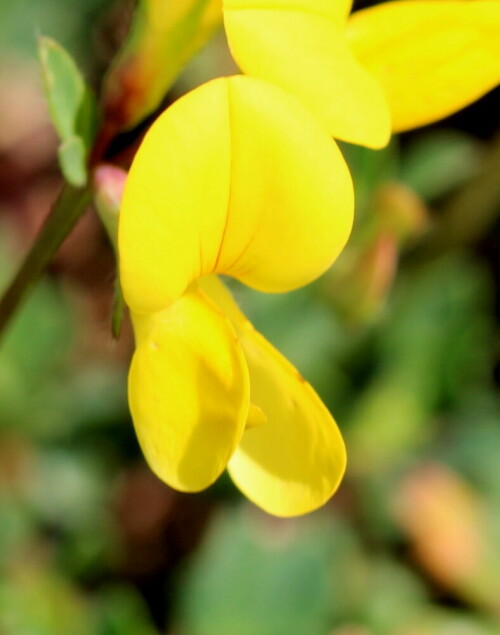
63, 85
72, 159
72, 109
429, 355
438, 162
122, 611
37, 600
259, 575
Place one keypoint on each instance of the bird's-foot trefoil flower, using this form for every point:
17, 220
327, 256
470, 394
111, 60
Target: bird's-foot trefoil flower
235, 178
391, 67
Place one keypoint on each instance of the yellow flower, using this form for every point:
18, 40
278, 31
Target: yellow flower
394, 66
235, 178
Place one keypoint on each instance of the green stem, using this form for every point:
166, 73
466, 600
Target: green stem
64, 215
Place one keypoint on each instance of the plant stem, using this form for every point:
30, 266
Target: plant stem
64, 215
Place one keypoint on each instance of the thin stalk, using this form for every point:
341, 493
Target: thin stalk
68, 208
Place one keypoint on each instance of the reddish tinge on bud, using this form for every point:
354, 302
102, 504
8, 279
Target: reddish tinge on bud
163, 37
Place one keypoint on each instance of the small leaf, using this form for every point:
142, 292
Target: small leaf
72, 108
72, 158
63, 84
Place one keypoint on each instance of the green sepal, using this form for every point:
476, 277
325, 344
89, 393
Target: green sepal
118, 312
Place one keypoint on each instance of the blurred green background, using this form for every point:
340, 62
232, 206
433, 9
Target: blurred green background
400, 339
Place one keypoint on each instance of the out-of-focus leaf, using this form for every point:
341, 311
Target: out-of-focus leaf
472, 211
121, 611
394, 597
36, 340
438, 621
31, 354
72, 109
17, 529
426, 355
256, 574
440, 161
67, 489
472, 443
36, 601
71, 20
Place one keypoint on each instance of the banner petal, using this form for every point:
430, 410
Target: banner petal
238, 178
291, 203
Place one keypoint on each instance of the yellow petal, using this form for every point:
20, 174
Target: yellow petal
432, 58
238, 178
291, 202
292, 463
337, 10
188, 391
174, 203
305, 52
340, 10
256, 417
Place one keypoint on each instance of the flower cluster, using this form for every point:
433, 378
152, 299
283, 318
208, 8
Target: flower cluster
242, 177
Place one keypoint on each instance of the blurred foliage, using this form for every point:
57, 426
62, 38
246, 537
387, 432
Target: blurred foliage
67, 22
400, 339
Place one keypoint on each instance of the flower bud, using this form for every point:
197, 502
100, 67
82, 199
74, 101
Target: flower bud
108, 184
163, 37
